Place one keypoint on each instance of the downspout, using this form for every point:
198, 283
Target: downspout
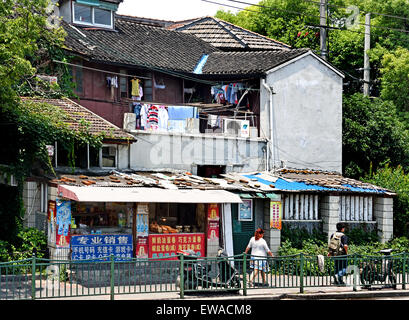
270, 142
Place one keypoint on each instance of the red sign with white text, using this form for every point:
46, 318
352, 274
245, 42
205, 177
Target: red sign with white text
167, 245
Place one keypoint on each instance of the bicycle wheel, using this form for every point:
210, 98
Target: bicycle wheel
367, 275
235, 282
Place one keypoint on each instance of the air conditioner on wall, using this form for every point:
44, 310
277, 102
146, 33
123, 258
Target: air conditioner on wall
237, 128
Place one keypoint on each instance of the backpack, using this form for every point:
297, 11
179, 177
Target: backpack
334, 245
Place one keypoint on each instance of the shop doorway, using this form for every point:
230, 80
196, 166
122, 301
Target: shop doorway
242, 231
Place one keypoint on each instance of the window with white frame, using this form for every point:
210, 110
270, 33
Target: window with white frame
92, 16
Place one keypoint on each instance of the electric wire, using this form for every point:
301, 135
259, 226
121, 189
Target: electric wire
300, 13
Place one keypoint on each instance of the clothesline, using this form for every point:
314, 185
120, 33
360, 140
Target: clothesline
100, 70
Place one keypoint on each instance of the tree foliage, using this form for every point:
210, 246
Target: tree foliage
373, 135
396, 180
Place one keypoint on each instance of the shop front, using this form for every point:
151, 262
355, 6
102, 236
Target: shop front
126, 222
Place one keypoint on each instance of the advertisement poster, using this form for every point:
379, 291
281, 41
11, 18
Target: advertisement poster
213, 231
167, 245
275, 214
63, 222
213, 222
142, 220
213, 212
52, 210
88, 247
142, 248
246, 210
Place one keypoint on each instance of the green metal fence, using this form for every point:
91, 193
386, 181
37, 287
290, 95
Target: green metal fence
37, 278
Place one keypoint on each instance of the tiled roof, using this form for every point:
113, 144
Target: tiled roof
136, 44
257, 184
296, 180
227, 36
78, 113
252, 62
159, 49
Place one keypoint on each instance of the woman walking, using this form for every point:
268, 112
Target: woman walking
259, 251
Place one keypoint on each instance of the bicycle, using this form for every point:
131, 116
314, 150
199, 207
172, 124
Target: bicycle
378, 270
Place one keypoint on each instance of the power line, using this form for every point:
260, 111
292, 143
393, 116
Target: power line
300, 13
375, 13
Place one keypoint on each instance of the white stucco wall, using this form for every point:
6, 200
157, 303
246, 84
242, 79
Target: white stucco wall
307, 115
156, 150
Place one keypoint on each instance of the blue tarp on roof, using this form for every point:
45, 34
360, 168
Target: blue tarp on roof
282, 184
357, 189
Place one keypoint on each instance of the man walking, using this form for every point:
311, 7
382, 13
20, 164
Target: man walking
338, 248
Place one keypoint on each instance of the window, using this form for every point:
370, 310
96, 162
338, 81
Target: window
108, 156
82, 14
77, 77
102, 17
123, 85
88, 15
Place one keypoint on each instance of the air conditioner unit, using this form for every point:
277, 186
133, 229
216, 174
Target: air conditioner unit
237, 128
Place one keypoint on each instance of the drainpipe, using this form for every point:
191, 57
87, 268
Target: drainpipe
271, 146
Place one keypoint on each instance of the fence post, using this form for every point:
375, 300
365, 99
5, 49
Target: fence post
301, 272
33, 277
356, 272
244, 274
404, 272
181, 277
111, 276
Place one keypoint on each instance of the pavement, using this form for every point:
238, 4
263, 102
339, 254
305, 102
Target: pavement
310, 293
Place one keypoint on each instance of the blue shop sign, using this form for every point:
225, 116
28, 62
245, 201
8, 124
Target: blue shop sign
101, 246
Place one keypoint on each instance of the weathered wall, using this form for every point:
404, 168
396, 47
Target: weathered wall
157, 150
307, 115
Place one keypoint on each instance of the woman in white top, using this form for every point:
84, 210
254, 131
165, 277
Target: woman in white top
259, 249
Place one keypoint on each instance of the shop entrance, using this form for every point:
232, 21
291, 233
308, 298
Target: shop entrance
242, 231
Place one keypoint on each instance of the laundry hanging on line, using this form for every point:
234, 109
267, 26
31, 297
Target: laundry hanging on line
163, 118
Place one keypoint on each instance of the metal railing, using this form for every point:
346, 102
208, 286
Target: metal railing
38, 278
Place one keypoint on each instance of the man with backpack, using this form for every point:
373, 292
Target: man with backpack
338, 248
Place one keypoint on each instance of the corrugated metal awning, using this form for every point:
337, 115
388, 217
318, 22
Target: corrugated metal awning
139, 194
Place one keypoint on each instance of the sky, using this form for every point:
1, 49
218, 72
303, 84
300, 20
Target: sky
175, 10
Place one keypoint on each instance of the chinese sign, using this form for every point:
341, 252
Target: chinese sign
275, 214
63, 222
167, 245
246, 210
94, 246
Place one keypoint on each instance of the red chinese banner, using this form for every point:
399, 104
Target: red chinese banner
167, 245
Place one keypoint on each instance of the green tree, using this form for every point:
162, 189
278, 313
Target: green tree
372, 135
27, 45
395, 79
396, 180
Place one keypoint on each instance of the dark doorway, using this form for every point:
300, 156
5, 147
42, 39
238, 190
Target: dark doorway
210, 171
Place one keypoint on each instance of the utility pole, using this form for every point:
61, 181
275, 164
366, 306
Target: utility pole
366, 57
323, 29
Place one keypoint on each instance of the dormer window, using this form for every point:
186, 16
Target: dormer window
92, 15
